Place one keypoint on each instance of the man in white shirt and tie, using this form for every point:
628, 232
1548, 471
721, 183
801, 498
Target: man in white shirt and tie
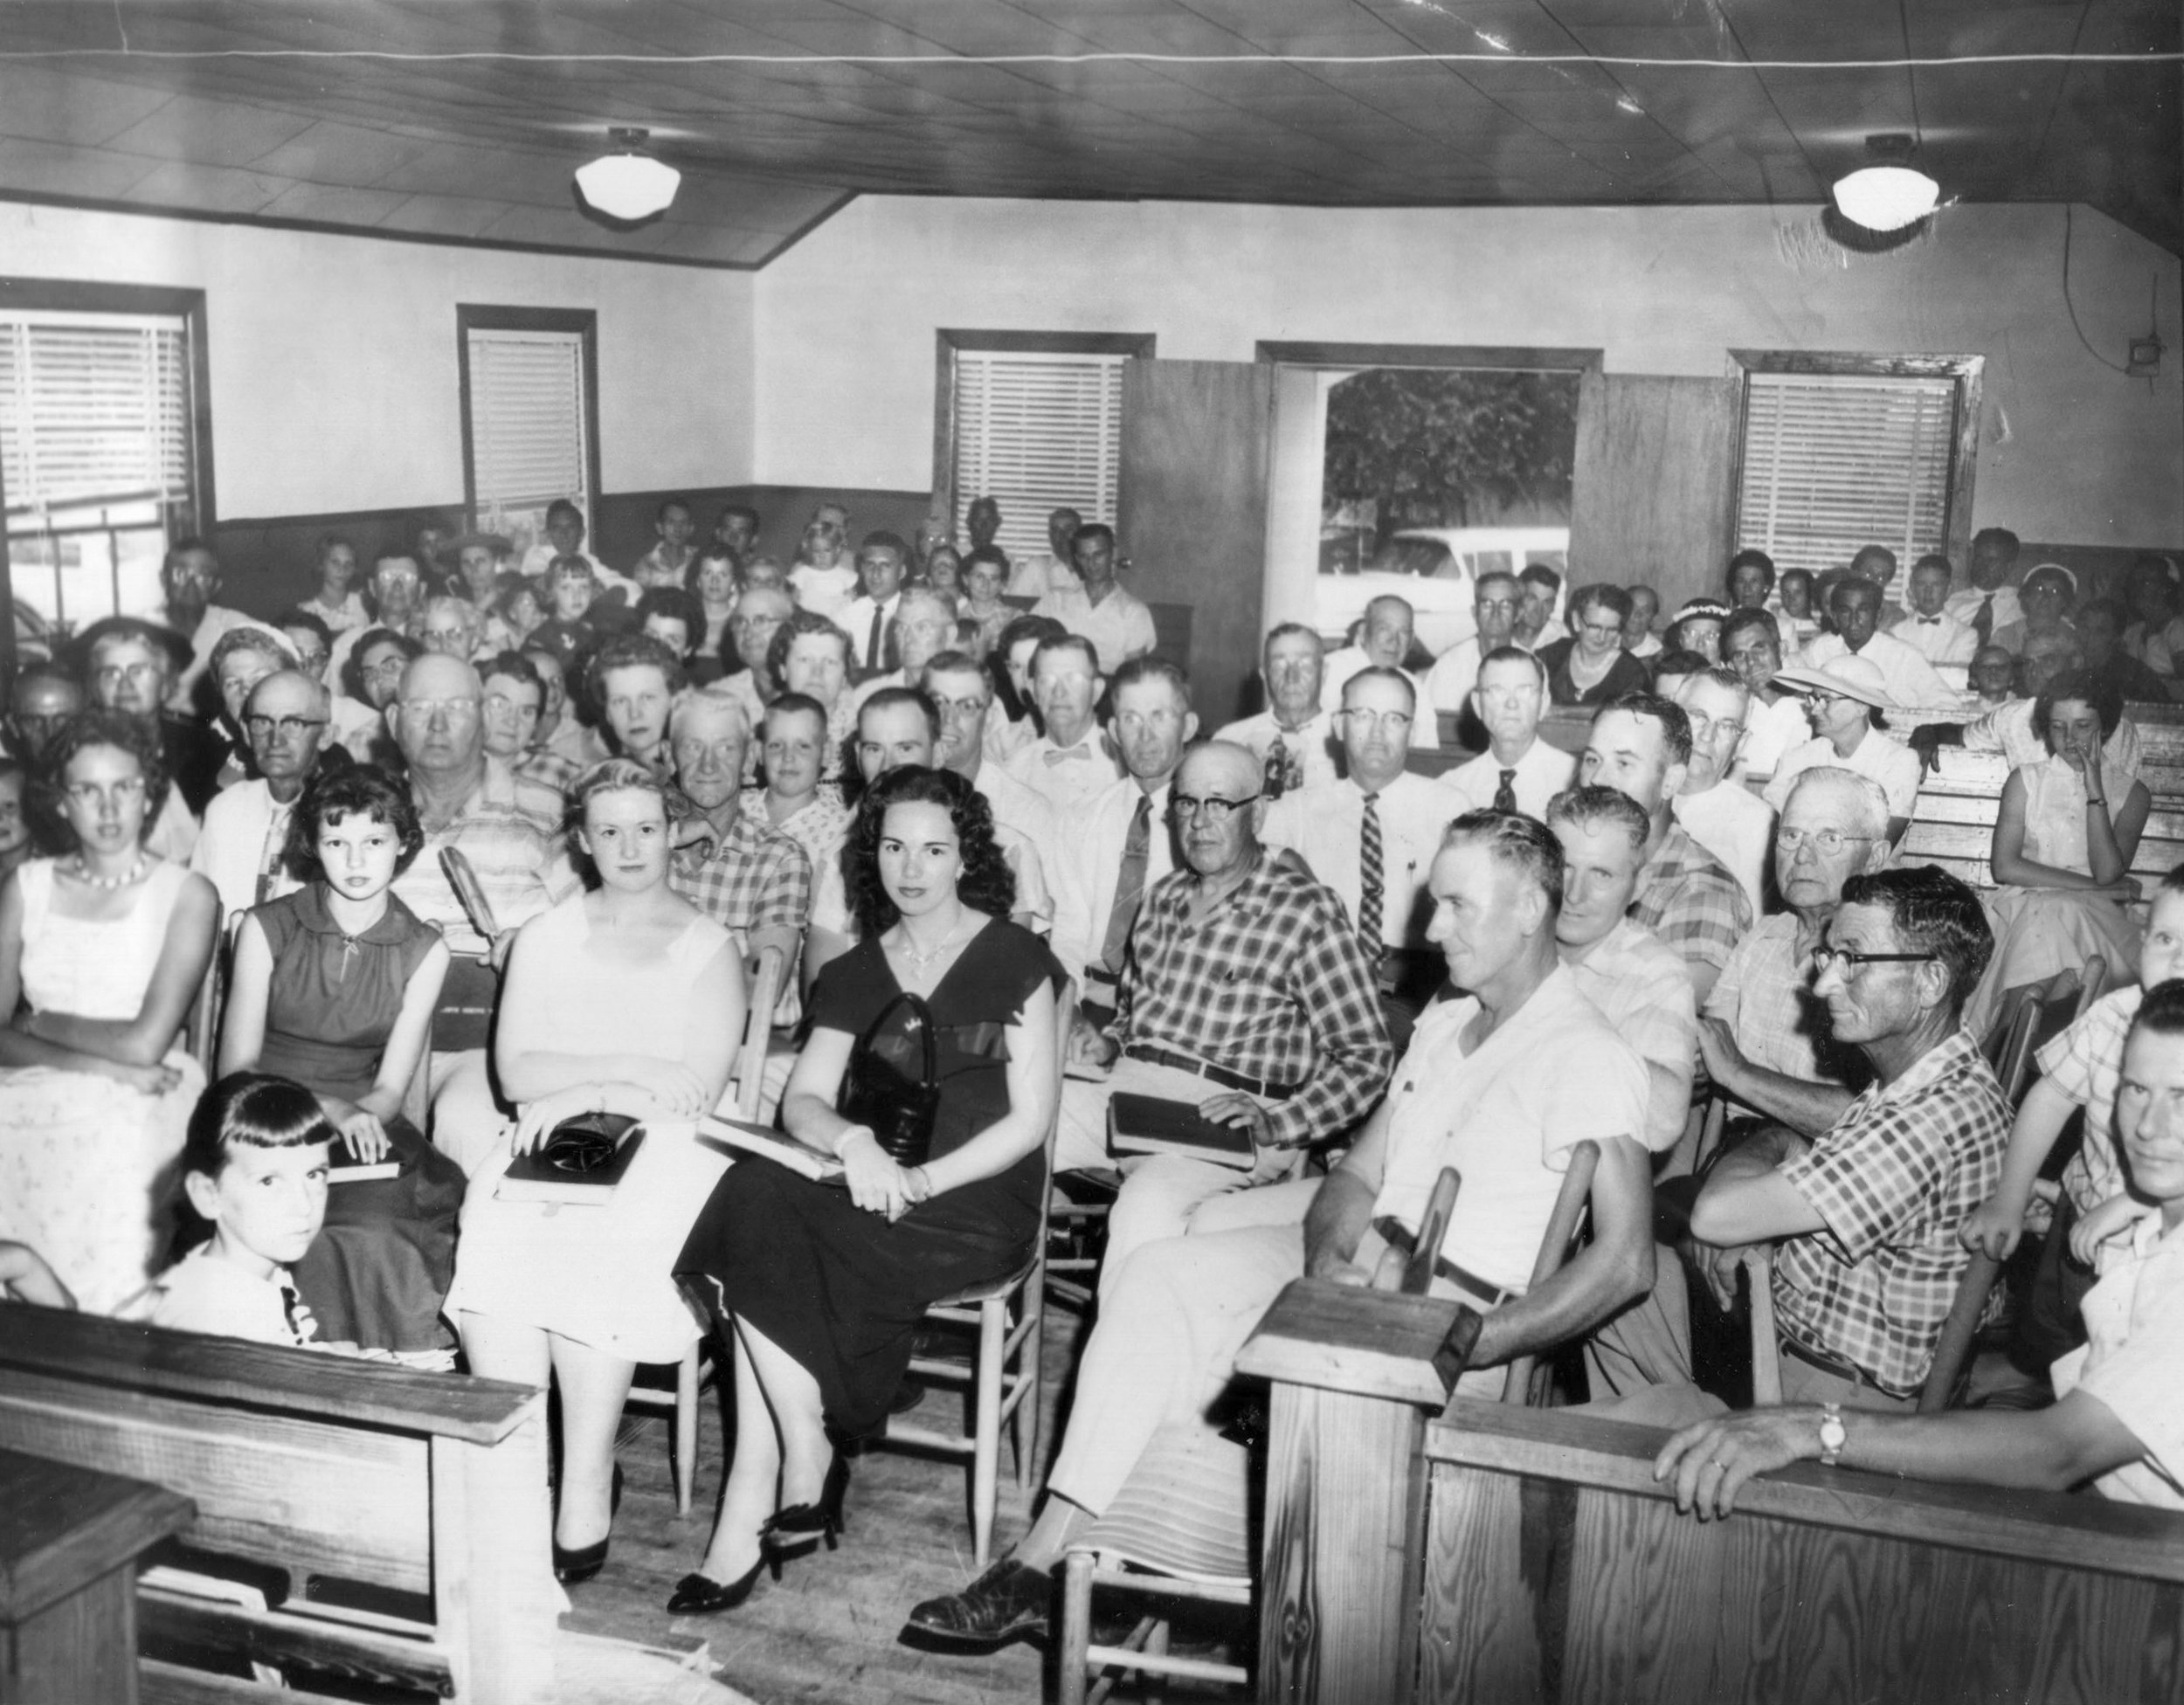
867, 617
1384, 640
1855, 604
1928, 629
1071, 761
1990, 601
246, 826
1518, 772
1119, 845
1372, 837
1293, 724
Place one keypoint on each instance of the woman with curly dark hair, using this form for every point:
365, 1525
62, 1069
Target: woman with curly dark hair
334, 987
102, 952
822, 1288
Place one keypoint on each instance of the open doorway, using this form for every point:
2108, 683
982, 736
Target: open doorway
1412, 470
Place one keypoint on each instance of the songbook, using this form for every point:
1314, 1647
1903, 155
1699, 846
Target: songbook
574, 1167
819, 1167
470, 892
343, 1168
1152, 1125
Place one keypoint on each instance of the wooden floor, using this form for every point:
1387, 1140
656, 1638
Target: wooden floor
830, 1630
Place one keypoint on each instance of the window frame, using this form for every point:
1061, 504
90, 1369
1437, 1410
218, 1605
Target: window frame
487, 317
1967, 371
93, 296
949, 341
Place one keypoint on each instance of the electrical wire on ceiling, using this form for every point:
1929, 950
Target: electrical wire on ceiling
1620, 60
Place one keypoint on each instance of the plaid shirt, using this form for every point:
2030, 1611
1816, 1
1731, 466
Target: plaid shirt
1893, 1178
1274, 986
754, 877
509, 829
1687, 897
1764, 995
2086, 1063
544, 764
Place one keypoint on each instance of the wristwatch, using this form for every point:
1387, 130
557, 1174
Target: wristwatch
1833, 1434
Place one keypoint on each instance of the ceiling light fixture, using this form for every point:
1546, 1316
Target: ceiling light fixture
628, 184
1888, 195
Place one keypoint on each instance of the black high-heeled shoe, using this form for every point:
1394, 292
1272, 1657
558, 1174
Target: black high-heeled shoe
574, 1564
700, 1595
800, 1528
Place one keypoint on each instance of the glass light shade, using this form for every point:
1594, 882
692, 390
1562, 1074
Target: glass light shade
628, 186
1886, 197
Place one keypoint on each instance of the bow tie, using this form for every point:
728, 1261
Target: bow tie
1930, 621
1062, 754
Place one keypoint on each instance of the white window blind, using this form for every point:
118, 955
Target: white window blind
527, 425
94, 410
1037, 432
1833, 462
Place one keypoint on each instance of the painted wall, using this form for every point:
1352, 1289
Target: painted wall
334, 384
844, 323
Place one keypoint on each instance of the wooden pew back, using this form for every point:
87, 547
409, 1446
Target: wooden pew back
1953, 825
328, 1469
1555, 1568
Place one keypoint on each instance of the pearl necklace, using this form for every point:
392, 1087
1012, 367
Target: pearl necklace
135, 873
920, 962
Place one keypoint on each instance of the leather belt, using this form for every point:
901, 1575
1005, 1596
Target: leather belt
1397, 1235
1832, 1364
1220, 1074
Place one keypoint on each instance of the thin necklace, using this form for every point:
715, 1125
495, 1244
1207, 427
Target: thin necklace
919, 962
133, 874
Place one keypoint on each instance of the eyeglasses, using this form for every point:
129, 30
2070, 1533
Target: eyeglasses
112, 674
1848, 960
951, 708
432, 710
1183, 806
1826, 842
291, 728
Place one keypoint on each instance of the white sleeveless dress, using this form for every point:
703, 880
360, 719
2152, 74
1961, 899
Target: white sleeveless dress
86, 1164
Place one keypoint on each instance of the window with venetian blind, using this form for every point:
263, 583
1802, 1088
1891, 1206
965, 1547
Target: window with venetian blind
531, 433
1834, 461
1036, 424
99, 455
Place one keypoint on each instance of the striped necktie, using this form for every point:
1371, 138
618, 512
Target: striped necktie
1505, 795
1370, 876
1130, 886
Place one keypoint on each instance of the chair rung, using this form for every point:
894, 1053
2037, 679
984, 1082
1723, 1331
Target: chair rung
953, 1443
1196, 1669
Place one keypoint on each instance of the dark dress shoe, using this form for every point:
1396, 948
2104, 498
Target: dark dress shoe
1007, 1600
573, 1564
700, 1595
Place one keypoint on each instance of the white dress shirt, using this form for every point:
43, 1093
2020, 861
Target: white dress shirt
1908, 678
1456, 672
1023, 812
855, 620
1544, 771
1940, 639
1087, 865
1324, 825
1965, 605
1067, 776
1890, 762
232, 844
1737, 826
1119, 625
1770, 730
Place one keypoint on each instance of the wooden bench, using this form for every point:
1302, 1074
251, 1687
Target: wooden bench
1554, 1568
395, 1524
69, 1539
1953, 824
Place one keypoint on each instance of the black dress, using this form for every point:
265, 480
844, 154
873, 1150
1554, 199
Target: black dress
840, 1289
1624, 674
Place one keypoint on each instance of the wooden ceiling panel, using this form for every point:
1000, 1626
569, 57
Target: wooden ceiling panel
479, 146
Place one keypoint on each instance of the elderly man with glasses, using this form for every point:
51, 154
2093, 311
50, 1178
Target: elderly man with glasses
284, 720
1867, 1211
1246, 996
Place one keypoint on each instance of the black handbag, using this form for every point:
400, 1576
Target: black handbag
891, 1087
585, 1142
